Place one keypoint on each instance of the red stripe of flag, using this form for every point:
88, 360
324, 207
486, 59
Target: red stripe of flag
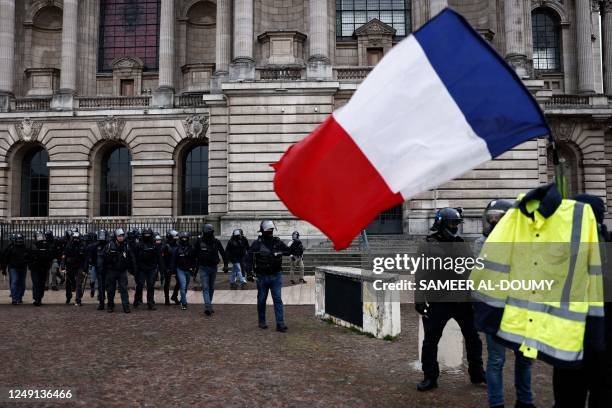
326, 179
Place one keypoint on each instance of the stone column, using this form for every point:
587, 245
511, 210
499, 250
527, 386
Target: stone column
516, 54
223, 44
584, 48
436, 6
243, 65
7, 52
606, 31
64, 98
319, 66
163, 96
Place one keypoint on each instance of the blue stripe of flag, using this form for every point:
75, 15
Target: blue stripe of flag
492, 97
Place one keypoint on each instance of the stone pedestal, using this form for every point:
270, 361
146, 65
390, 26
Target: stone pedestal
197, 77
242, 69
318, 69
63, 100
380, 308
5, 101
163, 97
42, 81
217, 80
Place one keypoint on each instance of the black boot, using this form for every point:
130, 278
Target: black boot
520, 404
151, 306
282, 328
101, 306
427, 384
477, 376
110, 308
126, 309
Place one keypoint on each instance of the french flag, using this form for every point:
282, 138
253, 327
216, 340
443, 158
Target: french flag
439, 103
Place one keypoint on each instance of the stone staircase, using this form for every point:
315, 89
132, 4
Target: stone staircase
356, 256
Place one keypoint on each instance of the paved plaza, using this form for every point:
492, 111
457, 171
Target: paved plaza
170, 357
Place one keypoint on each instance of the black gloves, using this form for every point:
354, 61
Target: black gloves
422, 308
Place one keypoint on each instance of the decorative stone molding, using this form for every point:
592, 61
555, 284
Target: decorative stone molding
562, 130
111, 128
196, 126
282, 47
27, 130
127, 68
42, 81
373, 34
607, 7
196, 77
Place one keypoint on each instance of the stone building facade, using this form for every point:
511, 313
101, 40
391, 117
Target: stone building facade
175, 108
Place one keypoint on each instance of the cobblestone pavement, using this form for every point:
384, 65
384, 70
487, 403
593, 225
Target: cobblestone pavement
170, 358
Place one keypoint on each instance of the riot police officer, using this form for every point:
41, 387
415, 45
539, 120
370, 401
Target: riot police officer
149, 262
41, 257
437, 307
236, 251
207, 250
94, 251
167, 252
265, 258
184, 263
75, 264
116, 259
15, 258
297, 254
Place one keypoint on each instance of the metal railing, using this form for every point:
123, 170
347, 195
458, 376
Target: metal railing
568, 100
280, 74
190, 101
28, 227
32, 104
352, 73
113, 102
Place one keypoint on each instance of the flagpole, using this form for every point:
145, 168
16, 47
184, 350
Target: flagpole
559, 178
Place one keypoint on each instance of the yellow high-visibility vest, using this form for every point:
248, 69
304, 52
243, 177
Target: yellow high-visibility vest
541, 239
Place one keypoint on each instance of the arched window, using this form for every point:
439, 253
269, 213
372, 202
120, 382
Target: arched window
35, 183
352, 14
129, 28
116, 183
546, 40
195, 181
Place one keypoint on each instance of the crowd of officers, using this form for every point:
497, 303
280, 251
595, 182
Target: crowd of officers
144, 254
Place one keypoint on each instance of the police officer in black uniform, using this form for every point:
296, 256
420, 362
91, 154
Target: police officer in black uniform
95, 250
15, 258
149, 261
265, 257
40, 260
438, 307
116, 259
167, 251
246, 245
75, 263
184, 264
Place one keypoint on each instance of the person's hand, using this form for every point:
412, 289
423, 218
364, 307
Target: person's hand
422, 308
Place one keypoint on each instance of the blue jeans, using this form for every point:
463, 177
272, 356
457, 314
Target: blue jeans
495, 371
183, 278
236, 273
272, 283
93, 278
17, 278
208, 274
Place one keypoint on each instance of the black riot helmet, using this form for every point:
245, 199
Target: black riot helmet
49, 235
171, 235
119, 232
208, 231
267, 228
19, 239
493, 213
39, 236
158, 238
184, 238
295, 235
68, 233
447, 222
147, 234
236, 234
102, 235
